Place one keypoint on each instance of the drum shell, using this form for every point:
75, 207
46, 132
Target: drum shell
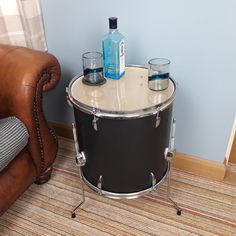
124, 151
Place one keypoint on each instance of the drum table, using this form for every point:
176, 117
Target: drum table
124, 134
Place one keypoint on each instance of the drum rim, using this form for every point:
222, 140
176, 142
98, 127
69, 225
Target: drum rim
133, 195
119, 114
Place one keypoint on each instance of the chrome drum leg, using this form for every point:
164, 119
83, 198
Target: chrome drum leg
80, 161
73, 213
169, 153
178, 209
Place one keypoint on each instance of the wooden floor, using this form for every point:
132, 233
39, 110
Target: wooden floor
208, 207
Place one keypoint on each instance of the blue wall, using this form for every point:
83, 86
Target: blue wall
199, 37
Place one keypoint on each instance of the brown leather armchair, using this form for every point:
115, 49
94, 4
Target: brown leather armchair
24, 75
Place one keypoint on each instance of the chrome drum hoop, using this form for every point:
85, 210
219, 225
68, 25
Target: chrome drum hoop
126, 195
115, 114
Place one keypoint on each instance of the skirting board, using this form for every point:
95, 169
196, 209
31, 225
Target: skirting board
198, 166
195, 165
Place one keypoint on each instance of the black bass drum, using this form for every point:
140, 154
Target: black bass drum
123, 129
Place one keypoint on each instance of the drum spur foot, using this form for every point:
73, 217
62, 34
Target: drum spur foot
177, 208
73, 213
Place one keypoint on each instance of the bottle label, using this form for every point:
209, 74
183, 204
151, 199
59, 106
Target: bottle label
122, 56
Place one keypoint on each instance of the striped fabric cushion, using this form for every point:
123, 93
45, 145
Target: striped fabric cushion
13, 138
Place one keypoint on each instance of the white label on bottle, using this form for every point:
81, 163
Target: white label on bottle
122, 56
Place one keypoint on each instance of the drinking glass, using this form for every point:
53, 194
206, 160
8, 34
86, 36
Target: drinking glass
158, 73
93, 68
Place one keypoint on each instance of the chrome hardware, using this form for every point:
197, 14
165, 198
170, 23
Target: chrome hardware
172, 137
168, 154
80, 159
75, 139
68, 98
169, 151
99, 185
73, 213
158, 118
94, 121
68, 101
178, 209
153, 180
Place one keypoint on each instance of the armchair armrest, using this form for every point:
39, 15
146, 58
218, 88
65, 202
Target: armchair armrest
24, 75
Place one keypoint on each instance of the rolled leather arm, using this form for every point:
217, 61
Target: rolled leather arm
24, 75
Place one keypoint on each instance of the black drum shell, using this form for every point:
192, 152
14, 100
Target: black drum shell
124, 151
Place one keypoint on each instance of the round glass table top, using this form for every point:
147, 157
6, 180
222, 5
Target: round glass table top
128, 94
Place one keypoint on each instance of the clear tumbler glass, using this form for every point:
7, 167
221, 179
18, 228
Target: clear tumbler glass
93, 68
158, 73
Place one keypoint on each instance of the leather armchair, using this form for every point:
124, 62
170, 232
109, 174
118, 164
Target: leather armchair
24, 75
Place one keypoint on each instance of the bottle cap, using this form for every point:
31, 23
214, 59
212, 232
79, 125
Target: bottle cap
113, 22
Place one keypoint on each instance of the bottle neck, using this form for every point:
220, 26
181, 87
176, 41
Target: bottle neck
113, 31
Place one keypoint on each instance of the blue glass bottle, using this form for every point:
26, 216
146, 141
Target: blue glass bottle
113, 51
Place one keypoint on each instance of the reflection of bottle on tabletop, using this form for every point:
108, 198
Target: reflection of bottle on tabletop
113, 51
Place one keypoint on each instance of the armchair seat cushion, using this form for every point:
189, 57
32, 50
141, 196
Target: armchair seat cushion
13, 138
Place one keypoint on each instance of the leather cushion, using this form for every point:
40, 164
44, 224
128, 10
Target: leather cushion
13, 138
